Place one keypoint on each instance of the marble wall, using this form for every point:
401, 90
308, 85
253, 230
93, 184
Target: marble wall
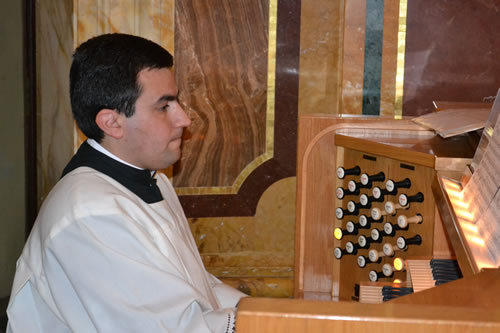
221, 65
237, 64
55, 129
346, 68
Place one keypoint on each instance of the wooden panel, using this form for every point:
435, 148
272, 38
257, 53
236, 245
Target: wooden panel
376, 148
294, 316
442, 248
421, 178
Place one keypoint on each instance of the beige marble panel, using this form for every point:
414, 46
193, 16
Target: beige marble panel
321, 41
55, 134
389, 57
152, 19
251, 250
354, 52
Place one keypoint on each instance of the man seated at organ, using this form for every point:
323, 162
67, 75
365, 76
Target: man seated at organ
111, 250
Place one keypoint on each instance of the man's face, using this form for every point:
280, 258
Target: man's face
152, 136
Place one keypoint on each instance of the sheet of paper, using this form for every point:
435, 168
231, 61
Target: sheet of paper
485, 181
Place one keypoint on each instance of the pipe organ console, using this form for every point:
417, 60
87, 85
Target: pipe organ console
388, 187
379, 220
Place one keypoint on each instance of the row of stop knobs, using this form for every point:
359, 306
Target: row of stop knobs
390, 208
375, 256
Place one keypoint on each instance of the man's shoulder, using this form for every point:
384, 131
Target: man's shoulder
83, 191
87, 184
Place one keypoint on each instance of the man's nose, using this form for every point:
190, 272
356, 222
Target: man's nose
183, 119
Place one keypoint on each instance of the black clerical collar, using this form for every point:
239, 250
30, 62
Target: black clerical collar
138, 181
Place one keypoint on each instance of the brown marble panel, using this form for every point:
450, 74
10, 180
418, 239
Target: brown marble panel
452, 53
221, 66
354, 51
285, 132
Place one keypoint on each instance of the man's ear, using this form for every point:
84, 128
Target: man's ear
110, 123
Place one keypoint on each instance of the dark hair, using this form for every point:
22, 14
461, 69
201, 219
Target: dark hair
104, 74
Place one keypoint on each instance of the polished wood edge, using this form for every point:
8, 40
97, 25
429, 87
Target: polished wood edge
359, 312
450, 222
381, 149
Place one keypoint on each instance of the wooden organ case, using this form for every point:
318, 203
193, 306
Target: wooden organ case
327, 268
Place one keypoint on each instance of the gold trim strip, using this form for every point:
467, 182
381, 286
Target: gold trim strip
400, 72
271, 86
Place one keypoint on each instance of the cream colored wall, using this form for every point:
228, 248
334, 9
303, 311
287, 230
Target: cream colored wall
321, 53
12, 162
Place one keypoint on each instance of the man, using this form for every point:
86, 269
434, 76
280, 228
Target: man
111, 250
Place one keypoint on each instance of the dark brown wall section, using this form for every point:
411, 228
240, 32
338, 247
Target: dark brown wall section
452, 50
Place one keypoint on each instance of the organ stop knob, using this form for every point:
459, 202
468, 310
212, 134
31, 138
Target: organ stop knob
377, 214
374, 275
366, 201
390, 229
403, 242
376, 236
341, 192
405, 200
340, 213
389, 249
364, 242
379, 193
365, 221
375, 255
351, 248
404, 221
391, 208
353, 207
341, 172
354, 187
393, 186
365, 179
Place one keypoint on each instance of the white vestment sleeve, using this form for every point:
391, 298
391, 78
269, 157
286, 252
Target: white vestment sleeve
108, 274
228, 296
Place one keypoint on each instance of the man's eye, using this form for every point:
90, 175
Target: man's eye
164, 107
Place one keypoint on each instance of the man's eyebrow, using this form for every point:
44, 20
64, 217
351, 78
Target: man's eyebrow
167, 98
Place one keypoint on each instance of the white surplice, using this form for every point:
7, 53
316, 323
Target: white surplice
100, 259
